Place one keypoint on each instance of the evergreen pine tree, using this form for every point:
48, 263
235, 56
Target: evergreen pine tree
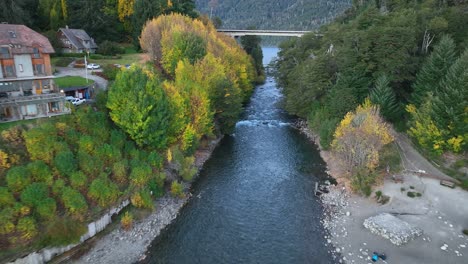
383, 95
433, 70
449, 108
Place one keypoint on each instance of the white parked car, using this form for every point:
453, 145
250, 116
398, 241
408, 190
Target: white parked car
69, 98
77, 101
93, 66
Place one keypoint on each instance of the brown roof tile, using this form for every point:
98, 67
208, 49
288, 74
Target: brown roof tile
22, 39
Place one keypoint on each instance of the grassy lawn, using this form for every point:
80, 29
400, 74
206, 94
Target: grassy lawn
126, 59
69, 81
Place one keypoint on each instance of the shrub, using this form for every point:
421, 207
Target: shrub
411, 187
40, 172
57, 186
411, 194
384, 199
155, 160
362, 180
103, 191
177, 189
140, 174
74, 202
63, 231
47, 209
402, 189
119, 171
465, 232
110, 48
7, 225
90, 165
110, 72
117, 138
86, 144
27, 228
156, 185
63, 62
6, 197
109, 154
65, 163
127, 221
18, 178
78, 180
378, 194
188, 170
142, 199
34, 194
21, 209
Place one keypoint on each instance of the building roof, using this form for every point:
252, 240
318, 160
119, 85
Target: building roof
77, 36
22, 39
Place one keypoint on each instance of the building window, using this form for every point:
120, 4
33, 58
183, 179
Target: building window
36, 53
5, 53
9, 71
38, 69
12, 34
54, 107
20, 67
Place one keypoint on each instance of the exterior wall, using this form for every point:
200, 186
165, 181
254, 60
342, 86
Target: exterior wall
48, 68
1, 71
23, 65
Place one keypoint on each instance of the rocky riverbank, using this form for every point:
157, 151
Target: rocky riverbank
121, 246
437, 213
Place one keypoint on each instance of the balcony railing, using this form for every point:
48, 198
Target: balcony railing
32, 98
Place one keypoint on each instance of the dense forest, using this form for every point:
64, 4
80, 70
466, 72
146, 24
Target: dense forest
112, 20
410, 58
136, 142
273, 14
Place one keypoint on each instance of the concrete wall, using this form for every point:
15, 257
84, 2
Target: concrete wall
26, 62
46, 254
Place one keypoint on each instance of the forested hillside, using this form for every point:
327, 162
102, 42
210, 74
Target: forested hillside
273, 14
408, 57
135, 142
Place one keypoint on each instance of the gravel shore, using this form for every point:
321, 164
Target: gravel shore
121, 246
440, 212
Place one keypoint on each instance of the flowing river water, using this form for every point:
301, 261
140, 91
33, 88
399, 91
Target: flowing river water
254, 199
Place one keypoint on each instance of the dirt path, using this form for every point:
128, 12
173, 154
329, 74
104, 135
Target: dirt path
413, 161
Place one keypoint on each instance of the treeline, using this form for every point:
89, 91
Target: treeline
273, 14
408, 57
112, 20
60, 174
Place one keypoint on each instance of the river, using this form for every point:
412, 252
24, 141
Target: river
253, 201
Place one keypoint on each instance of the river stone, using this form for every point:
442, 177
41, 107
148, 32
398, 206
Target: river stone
390, 227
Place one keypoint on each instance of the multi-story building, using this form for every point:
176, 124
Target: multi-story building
27, 88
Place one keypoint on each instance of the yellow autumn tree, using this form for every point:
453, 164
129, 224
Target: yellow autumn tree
360, 136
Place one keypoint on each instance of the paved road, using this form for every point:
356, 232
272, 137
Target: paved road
69, 71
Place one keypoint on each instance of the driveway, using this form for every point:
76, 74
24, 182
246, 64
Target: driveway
69, 71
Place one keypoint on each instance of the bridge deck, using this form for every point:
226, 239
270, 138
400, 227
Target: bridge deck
257, 32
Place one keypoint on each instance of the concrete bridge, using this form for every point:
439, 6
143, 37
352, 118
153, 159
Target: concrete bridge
258, 32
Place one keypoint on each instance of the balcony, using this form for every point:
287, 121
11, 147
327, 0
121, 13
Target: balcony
28, 99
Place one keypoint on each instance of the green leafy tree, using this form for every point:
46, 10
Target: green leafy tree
6, 197
434, 70
139, 105
251, 45
119, 171
140, 174
17, 178
7, 218
74, 202
383, 96
34, 194
78, 180
65, 163
47, 209
27, 228
40, 172
103, 191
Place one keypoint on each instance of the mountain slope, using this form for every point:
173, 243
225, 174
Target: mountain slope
273, 14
